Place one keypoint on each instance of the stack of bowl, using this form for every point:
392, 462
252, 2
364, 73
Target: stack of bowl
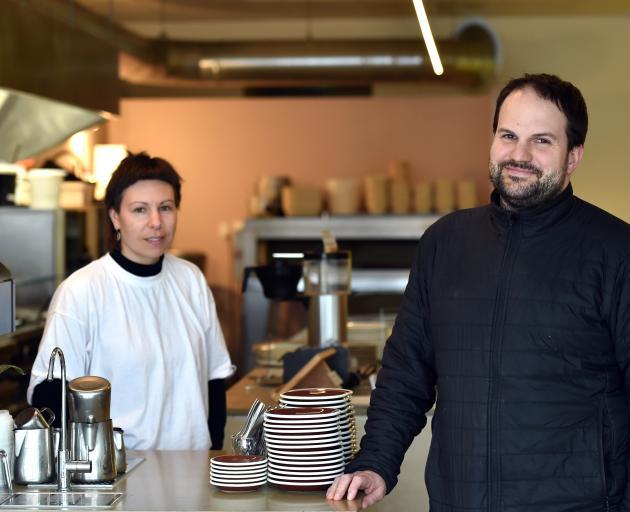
304, 447
238, 473
334, 398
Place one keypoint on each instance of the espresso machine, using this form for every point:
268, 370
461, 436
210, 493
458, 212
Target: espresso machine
321, 281
91, 429
327, 278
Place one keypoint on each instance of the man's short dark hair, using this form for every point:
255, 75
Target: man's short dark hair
136, 167
565, 95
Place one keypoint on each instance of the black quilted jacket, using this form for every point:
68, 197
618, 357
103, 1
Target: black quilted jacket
520, 324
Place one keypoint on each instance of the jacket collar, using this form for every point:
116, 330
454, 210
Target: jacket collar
532, 220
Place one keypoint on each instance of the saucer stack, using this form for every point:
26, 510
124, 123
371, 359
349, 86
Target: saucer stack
334, 398
304, 447
238, 473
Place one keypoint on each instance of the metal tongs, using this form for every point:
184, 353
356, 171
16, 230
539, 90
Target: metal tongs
249, 440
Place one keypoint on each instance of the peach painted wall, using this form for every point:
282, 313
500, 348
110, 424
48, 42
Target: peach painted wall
222, 146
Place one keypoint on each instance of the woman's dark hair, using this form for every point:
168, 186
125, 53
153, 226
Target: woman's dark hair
565, 95
136, 167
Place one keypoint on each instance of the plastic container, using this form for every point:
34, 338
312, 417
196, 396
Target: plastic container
45, 188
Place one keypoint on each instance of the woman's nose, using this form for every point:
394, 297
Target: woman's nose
155, 219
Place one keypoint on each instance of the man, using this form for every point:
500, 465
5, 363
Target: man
517, 315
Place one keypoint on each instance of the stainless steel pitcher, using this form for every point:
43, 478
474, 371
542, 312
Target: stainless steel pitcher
94, 442
120, 454
34, 456
89, 399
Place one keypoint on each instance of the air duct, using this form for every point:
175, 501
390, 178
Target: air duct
470, 58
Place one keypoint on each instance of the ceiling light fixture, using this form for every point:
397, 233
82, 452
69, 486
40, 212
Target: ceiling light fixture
434, 56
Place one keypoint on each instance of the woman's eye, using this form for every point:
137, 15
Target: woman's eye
166, 208
139, 209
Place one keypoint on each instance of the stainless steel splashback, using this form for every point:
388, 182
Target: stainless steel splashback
7, 301
33, 248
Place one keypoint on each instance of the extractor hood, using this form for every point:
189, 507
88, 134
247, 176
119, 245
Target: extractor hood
30, 124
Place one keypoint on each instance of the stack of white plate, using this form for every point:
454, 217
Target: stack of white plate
304, 447
238, 473
328, 397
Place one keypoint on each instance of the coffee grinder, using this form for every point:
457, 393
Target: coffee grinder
91, 429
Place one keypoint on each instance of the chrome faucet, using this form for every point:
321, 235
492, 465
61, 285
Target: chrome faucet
65, 465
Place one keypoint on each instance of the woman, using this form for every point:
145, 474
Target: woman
143, 319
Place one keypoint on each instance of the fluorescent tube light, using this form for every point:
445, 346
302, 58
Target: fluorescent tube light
434, 56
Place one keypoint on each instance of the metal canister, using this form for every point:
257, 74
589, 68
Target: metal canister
89, 399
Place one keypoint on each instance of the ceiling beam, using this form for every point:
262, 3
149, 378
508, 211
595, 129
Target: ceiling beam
123, 11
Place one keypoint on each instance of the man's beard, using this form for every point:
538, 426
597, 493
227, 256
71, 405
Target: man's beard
520, 193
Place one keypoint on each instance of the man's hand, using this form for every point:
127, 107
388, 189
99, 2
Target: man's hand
371, 483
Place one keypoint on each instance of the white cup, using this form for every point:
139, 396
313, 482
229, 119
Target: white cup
45, 188
7, 442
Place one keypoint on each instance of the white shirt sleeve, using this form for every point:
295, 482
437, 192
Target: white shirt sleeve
219, 364
66, 328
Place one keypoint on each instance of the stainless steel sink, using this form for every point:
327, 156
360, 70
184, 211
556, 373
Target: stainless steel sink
57, 500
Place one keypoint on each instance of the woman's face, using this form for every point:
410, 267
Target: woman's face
147, 220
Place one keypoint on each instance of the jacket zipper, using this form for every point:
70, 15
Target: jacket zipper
496, 346
602, 464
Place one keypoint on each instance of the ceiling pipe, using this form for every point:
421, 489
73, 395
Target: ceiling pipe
469, 57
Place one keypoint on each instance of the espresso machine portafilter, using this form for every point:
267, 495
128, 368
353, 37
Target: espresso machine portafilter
91, 429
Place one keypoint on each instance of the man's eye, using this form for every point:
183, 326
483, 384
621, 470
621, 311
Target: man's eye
508, 136
542, 140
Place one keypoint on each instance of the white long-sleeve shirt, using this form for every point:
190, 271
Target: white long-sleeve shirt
156, 339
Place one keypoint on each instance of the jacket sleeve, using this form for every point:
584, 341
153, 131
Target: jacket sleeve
405, 386
620, 329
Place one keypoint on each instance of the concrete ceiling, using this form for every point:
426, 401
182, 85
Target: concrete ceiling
162, 42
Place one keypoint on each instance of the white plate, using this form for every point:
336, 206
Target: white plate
307, 455
274, 430
220, 471
293, 483
316, 393
301, 445
334, 463
238, 478
305, 425
304, 433
308, 469
215, 462
293, 413
306, 476
324, 438
241, 485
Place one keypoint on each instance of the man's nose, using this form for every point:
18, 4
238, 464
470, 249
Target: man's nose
521, 152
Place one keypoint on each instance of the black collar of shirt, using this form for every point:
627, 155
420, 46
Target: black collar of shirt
134, 268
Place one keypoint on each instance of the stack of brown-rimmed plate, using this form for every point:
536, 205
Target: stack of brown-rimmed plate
303, 447
238, 473
335, 398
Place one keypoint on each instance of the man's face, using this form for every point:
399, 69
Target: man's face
529, 159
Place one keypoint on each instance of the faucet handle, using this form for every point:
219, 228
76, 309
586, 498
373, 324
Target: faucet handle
79, 466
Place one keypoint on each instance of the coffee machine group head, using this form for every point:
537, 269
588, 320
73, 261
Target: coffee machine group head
91, 429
